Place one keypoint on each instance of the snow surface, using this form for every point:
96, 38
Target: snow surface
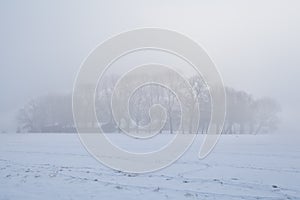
57, 166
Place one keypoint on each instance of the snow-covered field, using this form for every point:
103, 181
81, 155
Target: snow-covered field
56, 166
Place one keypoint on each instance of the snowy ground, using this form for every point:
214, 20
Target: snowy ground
54, 166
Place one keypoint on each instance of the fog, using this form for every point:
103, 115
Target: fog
254, 44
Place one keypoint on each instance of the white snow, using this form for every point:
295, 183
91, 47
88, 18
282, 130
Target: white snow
56, 166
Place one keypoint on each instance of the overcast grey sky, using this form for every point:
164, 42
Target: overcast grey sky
255, 44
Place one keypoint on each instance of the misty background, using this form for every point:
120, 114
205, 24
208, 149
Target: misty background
254, 44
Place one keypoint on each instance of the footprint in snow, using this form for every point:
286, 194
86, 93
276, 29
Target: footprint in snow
217, 180
119, 187
131, 175
188, 194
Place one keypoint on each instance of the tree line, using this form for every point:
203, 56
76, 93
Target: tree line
244, 113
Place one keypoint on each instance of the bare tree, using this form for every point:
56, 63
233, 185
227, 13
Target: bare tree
50, 113
266, 115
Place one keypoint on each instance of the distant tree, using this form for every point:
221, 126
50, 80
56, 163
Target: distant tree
202, 95
50, 113
247, 115
103, 103
239, 116
265, 112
